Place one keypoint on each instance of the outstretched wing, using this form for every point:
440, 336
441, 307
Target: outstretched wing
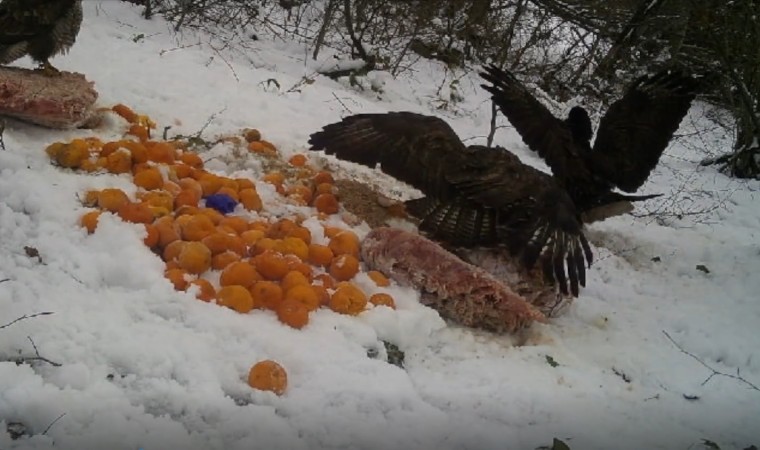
543, 133
637, 128
473, 195
410, 147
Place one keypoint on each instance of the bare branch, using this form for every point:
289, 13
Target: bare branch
25, 316
714, 373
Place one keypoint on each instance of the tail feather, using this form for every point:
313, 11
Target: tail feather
563, 256
457, 221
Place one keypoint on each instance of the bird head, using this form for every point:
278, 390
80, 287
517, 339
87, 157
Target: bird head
579, 123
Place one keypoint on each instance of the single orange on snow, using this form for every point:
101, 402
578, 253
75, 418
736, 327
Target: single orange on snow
261, 148
379, 279
237, 223
326, 203
325, 188
186, 197
205, 290
90, 221
135, 213
305, 295
293, 313
149, 179
295, 264
241, 273
210, 183
262, 245
151, 235
266, 294
73, 155
251, 237
301, 233
197, 227
217, 242
119, 161
344, 267
250, 199
224, 259
348, 299
172, 250
323, 177
293, 278
252, 134
194, 257
235, 297
302, 192
322, 294
293, 246
274, 177
271, 265
111, 199
267, 375
125, 112
281, 228
158, 199
161, 152
325, 280
191, 159
298, 160
345, 243
320, 255
167, 231
382, 299
177, 278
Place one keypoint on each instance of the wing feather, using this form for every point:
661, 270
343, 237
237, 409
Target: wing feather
474, 196
637, 128
411, 147
543, 133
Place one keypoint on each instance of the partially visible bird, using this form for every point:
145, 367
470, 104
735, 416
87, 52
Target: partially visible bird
632, 136
474, 195
38, 28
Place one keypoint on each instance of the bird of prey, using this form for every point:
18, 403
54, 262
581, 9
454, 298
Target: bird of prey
474, 195
632, 135
38, 28
477, 196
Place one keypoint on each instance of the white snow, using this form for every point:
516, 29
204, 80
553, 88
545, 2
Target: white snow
146, 367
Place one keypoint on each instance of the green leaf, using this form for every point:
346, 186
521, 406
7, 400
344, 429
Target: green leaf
551, 361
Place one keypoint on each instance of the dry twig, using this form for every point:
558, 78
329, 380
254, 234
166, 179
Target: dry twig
24, 317
714, 373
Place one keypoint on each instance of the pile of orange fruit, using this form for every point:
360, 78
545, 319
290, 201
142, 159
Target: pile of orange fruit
244, 260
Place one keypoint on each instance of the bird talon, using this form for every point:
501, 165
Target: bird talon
48, 70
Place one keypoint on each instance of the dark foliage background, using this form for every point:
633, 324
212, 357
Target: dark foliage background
567, 47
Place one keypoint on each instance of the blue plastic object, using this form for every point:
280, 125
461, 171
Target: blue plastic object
221, 202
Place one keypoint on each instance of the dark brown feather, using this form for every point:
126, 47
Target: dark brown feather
637, 128
474, 196
543, 133
38, 28
631, 138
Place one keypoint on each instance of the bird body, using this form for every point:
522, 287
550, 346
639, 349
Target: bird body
476, 196
38, 28
632, 134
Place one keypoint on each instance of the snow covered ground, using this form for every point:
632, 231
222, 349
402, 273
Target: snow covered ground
146, 367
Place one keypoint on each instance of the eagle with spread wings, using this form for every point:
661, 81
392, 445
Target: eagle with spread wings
38, 28
632, 135
477, 196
